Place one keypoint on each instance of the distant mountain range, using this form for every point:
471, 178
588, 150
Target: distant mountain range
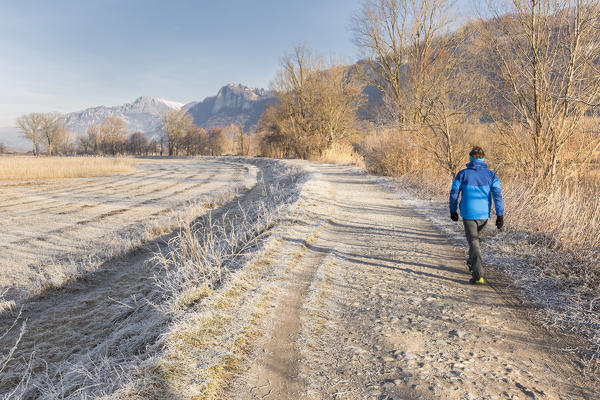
142, 115
235, 104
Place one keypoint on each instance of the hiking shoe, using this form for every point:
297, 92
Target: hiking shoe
479, 281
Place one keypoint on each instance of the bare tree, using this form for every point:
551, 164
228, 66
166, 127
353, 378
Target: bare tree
154, 147
544, 60
195, 141
292, 88
137, 143
421, 71
175, 124
54, 132
92, 142
217, 141
95, 138
272, 141
397, 39
242, 143
338, 96
3, 148
113, 132
31, 128
318, 102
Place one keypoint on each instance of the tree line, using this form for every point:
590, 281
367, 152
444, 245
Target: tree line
49, 134
525, 83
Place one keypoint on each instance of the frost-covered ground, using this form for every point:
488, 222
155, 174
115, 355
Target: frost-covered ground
88, 337
374, 303
52, 231
316, 281
560, 303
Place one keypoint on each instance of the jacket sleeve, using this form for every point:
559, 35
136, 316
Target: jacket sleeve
454, 192
497, 195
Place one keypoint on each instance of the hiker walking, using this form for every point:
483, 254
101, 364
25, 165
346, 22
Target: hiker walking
478, 185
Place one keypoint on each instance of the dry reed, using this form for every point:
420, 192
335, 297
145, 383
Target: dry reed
36, 168
342, 153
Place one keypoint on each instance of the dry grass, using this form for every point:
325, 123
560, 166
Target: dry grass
550, 247
90, 220
216, 305
563, 218
389, 152
35, 168
342, 153
201, 254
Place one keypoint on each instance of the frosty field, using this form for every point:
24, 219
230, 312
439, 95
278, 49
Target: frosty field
52, 230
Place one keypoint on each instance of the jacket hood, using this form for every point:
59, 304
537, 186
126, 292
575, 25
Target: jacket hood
476, 164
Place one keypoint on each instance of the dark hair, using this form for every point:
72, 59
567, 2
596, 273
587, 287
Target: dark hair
477, 152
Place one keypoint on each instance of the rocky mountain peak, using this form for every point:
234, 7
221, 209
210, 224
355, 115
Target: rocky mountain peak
233, 103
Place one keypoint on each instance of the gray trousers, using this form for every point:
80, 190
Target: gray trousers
472, 229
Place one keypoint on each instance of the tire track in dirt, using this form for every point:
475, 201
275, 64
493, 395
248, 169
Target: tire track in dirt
278, 372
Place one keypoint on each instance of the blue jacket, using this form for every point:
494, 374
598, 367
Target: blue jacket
478, 185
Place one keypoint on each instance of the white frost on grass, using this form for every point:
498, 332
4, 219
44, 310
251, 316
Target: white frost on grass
111, 324
214, 284
133, 313
55, 231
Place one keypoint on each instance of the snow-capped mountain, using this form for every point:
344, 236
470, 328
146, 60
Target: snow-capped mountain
233, 104
143, 114
173, 104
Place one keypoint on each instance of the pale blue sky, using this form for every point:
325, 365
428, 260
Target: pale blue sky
68, 55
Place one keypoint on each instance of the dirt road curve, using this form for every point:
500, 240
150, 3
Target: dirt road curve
377, 305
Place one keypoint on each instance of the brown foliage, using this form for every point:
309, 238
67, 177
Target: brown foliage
317, 107
218, 142
113, 134
545, 64
175, 124
196, 142
137, 143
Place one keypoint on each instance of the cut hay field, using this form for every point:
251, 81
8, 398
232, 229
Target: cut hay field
53, 230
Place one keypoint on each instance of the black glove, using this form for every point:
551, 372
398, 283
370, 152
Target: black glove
454, 216
499, 221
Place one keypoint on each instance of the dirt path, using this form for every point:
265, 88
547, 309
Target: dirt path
377, 305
